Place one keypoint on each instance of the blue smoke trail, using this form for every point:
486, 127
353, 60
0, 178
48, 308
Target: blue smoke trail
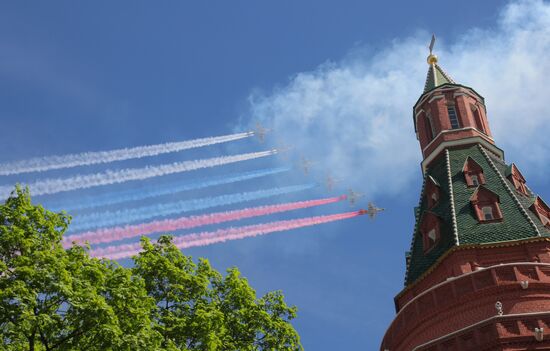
109, 218
165, 189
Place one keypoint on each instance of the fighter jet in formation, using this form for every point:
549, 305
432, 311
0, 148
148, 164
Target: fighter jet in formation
260, 132
371, 210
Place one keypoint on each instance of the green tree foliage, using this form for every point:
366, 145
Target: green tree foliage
198, 309
53, 298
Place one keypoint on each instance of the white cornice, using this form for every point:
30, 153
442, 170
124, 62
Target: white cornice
461, 89
447, 144
436, 97
460, 94
446, 131
448, 280
462, 276
496, 317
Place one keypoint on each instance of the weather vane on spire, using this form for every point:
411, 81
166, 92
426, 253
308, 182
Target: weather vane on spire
432, 59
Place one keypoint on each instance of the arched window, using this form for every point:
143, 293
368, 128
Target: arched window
432, 236
477, 118
487, 213
429, 127
453, 117
475, 179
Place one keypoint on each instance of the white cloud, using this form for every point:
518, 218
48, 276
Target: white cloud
355, 116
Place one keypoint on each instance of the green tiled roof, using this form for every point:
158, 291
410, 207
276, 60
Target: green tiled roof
436, 77
518, 221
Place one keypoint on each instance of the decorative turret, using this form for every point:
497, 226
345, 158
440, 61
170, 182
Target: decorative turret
481, 235
449, 114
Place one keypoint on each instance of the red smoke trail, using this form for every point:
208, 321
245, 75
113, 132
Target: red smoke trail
119, 233
208, 238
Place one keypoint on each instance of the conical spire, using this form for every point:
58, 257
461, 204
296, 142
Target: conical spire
436, 75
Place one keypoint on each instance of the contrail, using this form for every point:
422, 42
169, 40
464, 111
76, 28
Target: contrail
208, 238
56, 185
165, 189
47, 163
129, 231
108, 218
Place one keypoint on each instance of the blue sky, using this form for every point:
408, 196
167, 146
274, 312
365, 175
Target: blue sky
335, 79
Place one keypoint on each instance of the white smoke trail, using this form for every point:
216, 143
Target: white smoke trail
47, 163
361, 106
56, 185
117, 197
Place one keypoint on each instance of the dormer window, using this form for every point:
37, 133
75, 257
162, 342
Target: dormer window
487, 213
432, 191
430, 230
517, 179
542, 210
485, 204
453, 118
432, 237
473, 173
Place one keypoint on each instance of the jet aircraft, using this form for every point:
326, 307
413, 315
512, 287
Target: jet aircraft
372, 211
260, 132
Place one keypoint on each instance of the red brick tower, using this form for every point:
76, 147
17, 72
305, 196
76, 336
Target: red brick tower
478, 272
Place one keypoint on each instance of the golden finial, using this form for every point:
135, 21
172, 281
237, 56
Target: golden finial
432, 59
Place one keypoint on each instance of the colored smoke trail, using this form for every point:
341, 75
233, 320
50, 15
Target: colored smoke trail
165, 189
108, 218
56, 185
47, 163
129, 231
222, 235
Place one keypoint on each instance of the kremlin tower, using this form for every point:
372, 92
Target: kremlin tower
478, 271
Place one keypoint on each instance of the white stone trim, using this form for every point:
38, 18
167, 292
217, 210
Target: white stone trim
465, 275
451, 195
436, 97
419, 112
460, 94
416, 122
496, 317
510, 191
446, 144
444, 89
446, 131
